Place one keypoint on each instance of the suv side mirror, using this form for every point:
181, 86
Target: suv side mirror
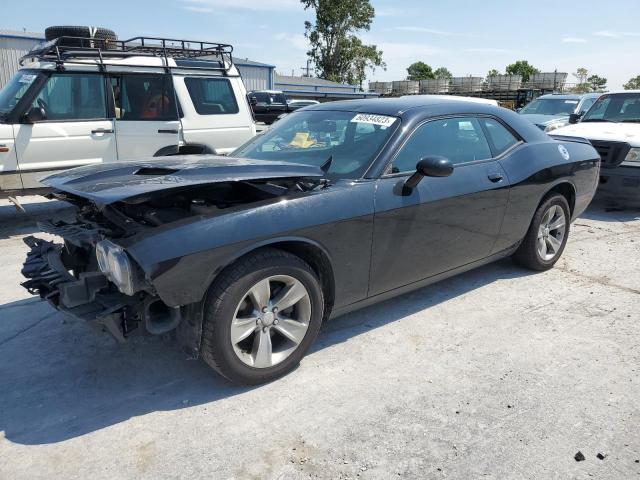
35, 114
574, 118
433, 166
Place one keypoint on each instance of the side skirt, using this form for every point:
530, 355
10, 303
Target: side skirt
420, 283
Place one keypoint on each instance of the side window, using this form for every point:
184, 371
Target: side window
461, 140
501, 138
73, 96
143, 97
212, 96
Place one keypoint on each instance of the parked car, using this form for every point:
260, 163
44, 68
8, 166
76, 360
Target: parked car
268, 105
549, 112
294, 105
78, 101
612, 125
333, 208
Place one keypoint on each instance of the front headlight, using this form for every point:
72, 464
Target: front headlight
633, 156
554, 125
114, 262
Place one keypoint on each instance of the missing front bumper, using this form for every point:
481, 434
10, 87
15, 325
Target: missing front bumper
88, 296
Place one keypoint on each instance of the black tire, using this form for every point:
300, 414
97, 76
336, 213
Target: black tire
527, 254
227, 292
97, 33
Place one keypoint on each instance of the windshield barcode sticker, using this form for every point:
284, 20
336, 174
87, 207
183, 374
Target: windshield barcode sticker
382, 120
27, 78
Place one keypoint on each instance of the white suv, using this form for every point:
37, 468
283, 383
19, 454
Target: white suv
612, 125
77, 101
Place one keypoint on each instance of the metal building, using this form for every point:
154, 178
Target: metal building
14, 45
318, 88
255, 75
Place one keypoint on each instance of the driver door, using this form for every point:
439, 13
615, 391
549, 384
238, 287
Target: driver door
76, 129
443, 223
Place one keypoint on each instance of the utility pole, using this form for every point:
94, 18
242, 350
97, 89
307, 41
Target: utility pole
307, 69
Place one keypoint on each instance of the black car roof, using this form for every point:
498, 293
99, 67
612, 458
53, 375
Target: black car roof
398, 106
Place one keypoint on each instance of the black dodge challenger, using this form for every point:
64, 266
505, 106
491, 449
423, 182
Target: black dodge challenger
335, 207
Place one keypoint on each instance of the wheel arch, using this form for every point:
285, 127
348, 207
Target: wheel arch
187, 149
567, 190
308, 250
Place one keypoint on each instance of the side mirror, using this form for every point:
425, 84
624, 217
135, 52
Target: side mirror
433, 166
36, 114
574, 118
253, 101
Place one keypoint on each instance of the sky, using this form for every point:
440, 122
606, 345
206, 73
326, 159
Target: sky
466, 36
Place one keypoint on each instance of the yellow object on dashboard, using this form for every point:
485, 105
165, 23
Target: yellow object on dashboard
302, 140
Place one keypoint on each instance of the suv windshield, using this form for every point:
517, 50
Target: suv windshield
311, 137
550, 106
615, 107
13, 91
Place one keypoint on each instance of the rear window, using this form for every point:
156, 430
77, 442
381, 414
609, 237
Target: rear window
212, 96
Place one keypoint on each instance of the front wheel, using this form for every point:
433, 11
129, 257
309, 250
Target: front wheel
547, 236
261, 316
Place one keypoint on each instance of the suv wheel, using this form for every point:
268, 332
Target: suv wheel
261, 316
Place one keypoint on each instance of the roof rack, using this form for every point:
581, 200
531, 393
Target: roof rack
65, 48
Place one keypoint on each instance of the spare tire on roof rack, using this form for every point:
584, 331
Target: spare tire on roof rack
104, 36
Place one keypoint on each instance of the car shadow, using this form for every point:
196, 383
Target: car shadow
604, 211
60, 380
14, 222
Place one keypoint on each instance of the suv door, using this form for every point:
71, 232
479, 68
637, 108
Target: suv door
443, 223
76, 129
147, 120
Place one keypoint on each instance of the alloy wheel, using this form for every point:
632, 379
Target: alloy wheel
551, 233
270, 321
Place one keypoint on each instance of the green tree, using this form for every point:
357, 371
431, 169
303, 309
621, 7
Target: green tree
442, 72
521, 67
632, 84
597, 83
336, 51
493, 73
420, 71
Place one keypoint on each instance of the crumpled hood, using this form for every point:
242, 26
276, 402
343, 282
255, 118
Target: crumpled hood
112, 182
538, 119
618, 132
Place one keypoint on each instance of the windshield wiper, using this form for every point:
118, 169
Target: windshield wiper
631, 120
597, 120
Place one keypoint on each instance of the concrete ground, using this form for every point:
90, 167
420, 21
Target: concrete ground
498, 373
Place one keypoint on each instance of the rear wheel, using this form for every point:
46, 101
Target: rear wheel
547, 236
261, 316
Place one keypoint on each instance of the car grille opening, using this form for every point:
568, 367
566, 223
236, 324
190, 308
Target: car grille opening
611, 154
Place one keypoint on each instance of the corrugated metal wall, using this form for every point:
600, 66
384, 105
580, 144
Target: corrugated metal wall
254, 77
11, 49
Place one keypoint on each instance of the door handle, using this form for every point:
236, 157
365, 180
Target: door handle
168, 131
102, 130
495, 177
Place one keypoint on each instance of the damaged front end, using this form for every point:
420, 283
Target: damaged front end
93, 276
66, 278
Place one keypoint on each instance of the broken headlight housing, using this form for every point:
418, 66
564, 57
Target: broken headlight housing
114, 262
633, 156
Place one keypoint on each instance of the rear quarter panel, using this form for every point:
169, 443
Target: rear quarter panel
536, 168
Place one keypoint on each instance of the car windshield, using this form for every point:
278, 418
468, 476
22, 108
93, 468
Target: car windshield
550, 106
13, 91
615, 107
352, 140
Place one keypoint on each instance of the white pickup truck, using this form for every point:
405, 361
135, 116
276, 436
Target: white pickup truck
78, 101
612, 125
